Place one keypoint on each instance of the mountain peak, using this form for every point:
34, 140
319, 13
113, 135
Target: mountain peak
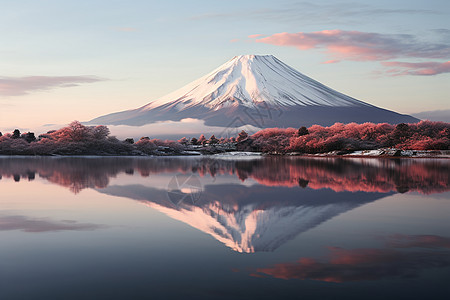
249, 80
251, 60
247, 84
253, 56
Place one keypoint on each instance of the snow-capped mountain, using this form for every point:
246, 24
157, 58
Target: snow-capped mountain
258, 90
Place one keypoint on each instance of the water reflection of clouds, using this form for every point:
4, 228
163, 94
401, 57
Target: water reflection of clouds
36, 225
422, 252
423, 241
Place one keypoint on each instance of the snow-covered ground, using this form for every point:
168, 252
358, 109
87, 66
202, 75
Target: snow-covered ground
400, 153
237, 155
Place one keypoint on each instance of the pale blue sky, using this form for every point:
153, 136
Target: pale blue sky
124, 54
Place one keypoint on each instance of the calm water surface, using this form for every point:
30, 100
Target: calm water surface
217, 228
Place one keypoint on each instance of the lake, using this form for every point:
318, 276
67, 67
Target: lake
218, 227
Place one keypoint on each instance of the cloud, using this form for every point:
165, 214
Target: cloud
421, 241
443, 33
368, 264
17, 86
35, 225
313, 13
333, 61
370, 46
252, 36
175, 129
234, 40
360, 46
396, 68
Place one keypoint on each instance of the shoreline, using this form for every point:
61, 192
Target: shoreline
249, 154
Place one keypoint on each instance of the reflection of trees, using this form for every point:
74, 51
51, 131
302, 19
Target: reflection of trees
74, 173
368, 175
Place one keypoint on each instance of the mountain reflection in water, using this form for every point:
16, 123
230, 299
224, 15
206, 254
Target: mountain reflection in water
279, 198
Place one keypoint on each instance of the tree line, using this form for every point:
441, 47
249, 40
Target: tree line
78, 139
425, 135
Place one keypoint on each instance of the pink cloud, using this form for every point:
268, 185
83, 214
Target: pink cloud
234, 40
396, 68
16, 86
357, 45
333, 61
252, 36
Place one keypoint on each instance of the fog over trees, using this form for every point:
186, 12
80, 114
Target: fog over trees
78, 139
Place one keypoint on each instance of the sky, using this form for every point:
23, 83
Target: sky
76, 60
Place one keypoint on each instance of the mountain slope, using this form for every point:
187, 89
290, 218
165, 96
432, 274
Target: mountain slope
255, 90
434, 115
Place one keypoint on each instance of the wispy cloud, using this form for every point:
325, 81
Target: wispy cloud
397, 68
422, 241
342, 45
360, 46
313, 13
333, 61
17, 86
35, 225
443, 33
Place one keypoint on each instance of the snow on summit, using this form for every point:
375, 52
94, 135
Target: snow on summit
248, 80
257, 90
